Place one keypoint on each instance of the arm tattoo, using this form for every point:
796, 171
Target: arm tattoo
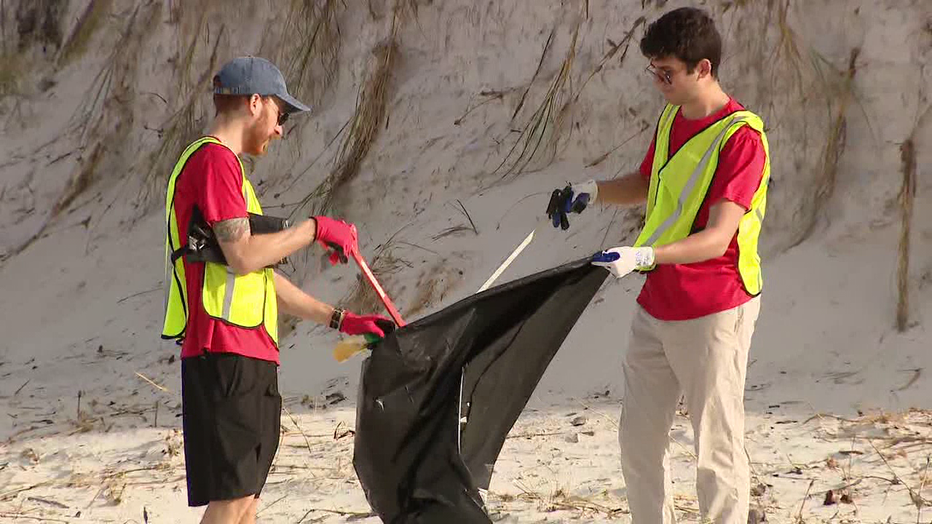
231, 230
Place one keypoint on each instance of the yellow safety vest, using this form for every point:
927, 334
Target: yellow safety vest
247, 301
678, 187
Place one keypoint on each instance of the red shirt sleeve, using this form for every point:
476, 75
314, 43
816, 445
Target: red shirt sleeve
220, 191
648, 161
740, 169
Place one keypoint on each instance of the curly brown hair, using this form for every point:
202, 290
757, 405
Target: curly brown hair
687, 34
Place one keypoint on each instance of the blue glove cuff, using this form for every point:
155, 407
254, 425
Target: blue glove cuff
605, 256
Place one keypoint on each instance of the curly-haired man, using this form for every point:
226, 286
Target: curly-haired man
704, 180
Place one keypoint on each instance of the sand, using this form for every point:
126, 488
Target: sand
835, 393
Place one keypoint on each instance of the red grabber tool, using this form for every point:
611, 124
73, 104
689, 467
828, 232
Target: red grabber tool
370, 277
352, 345
378, 289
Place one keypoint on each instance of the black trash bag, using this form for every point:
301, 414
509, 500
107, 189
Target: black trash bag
407, 455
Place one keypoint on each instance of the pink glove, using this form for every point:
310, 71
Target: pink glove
338, 237
354, 324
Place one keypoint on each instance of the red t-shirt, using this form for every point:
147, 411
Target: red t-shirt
687, 291
212, 179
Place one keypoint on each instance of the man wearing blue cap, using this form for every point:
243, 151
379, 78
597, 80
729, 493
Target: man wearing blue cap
225, 309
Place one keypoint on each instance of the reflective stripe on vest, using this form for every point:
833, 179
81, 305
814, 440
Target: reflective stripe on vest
679, 184
247, 301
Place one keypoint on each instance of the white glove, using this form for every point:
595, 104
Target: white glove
623, 260
572, 199
588, 187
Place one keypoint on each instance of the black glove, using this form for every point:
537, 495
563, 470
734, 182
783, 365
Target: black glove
562, 201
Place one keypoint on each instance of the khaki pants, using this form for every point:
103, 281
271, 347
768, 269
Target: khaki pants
705, 359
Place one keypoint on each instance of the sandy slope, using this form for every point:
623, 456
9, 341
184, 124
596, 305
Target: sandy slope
81, 306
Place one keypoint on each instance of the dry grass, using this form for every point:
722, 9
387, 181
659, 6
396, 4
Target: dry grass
799, 76
90, 20
36, 24
888, 442
488, 95
559, 500
432, 287
362, 129
426, 293
367, 119
183, 125
540, 63
407, 10
362, 298
545, 123
613, 49
109, 482
839, 94
311, 64
907, 195
11, 72
79, 182
800, 73
787, 49
112, 83
642, 127
462, 228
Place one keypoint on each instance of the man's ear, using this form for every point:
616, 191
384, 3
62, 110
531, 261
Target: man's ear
705, 68
254, 104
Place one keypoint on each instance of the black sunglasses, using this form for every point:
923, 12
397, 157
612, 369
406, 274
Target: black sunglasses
282, 115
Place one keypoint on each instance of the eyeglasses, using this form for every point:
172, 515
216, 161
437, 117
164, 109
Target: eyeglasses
663, 76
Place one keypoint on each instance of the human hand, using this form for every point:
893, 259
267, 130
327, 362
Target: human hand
572, 199
338, 237
623, 260
377, 325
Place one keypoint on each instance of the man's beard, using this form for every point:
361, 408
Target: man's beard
258, 145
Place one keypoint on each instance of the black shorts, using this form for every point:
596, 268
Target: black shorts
232, 418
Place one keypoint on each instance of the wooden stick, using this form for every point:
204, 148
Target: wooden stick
531, 435
338, 512
799, 516
307, 442
511, 258
7, 494
50, 502
915, 497
147, 379
907, 195
272, 504
25, 516
21, 387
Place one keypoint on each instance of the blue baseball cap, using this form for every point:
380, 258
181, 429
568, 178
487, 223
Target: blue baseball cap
251, 75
